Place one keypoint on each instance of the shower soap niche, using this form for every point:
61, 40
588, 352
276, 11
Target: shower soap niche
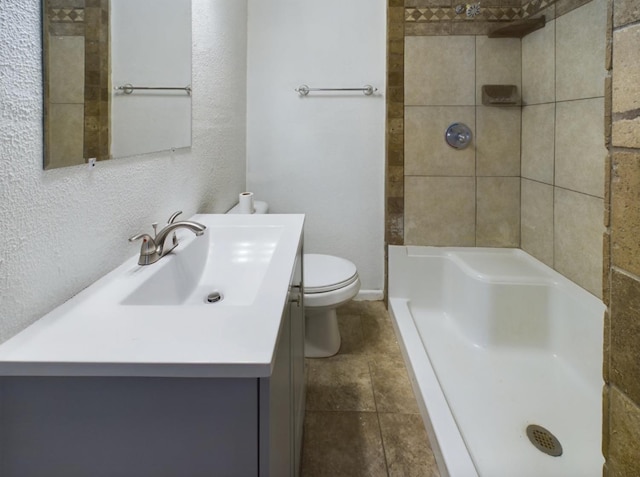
500, 95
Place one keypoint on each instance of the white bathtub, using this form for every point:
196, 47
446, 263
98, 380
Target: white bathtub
494, 340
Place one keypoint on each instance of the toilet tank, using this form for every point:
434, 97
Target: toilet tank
260, 206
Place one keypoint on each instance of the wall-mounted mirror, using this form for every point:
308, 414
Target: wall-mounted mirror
117, 78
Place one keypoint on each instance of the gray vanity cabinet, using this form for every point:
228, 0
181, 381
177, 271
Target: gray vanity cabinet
282, 395
158, 426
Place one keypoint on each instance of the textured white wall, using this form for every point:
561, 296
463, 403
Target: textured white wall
322, 155
63, 229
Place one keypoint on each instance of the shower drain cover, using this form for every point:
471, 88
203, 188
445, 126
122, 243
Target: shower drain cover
543, 440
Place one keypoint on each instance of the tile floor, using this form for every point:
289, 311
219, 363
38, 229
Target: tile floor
362, 418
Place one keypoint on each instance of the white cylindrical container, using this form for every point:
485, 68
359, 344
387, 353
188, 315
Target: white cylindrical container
245, 203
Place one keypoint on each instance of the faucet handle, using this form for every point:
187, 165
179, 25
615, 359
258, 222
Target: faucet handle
173, 217
148, 249
174, 238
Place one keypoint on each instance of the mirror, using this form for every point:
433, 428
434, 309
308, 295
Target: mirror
117, 78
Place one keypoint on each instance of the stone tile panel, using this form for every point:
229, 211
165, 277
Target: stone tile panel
625, 211
624, 440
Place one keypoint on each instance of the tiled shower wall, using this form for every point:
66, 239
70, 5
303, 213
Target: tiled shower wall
563, 150
621, 403
462, 197
533, 177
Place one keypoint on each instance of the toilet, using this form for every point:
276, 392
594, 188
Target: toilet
328, 283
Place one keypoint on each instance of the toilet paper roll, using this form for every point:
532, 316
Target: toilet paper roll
246, 203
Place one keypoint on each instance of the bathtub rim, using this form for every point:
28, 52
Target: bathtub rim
453, 458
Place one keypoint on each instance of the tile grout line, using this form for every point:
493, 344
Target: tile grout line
375, 402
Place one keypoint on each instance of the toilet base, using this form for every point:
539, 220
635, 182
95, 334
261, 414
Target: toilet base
322, 337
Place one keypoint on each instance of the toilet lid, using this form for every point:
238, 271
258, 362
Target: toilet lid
323, 273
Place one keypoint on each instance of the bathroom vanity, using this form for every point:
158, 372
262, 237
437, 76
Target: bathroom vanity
139, 376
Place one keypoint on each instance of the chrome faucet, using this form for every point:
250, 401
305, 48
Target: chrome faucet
154, 248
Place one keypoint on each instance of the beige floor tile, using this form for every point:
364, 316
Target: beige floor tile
379, 337
406, 446
344, 444
369, 308
340, 383
391, 386
350, 327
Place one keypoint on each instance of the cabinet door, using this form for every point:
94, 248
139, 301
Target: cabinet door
275, 410
296, 310
123, 427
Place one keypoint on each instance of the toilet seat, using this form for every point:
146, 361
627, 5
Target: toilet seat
326, 273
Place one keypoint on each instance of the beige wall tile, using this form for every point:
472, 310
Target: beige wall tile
625, 211
537, 220
580, 150
578, 238
498, 212
625, 439
538, 65
580, 52
440, 70
66, 69
625, 335
440, 211
426, 152
498, 61
66, 135
626, 69
538, 142
498, 141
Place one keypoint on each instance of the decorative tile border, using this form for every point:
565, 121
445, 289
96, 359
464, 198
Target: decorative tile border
529, 9
448, 14
66, 15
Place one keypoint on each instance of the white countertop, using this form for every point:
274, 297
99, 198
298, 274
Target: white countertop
93, 334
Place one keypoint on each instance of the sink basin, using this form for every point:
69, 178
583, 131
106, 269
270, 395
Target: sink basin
154, 320
231, 260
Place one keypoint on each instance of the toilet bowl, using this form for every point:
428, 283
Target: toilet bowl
328, 283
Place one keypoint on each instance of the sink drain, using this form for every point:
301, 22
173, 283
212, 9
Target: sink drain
213, 297
544, 441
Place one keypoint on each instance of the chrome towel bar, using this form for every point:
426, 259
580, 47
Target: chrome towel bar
367, 89
128, 88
